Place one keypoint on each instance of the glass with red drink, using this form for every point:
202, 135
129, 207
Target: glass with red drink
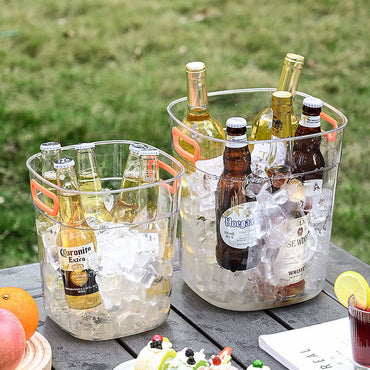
359, 320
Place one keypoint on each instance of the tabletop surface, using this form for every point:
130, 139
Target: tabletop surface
192, 321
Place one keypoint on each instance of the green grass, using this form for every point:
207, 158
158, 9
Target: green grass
95, 70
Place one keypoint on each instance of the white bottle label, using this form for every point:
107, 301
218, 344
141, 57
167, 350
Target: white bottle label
237, 226
310, 121
212, 166
292, 256
234, 141
76, 258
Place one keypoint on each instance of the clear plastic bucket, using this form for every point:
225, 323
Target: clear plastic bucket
133, 262
258, 287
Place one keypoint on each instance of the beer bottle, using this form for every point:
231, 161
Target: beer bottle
149, 174
76, 242
89, 181
236, 247
308, 158
280, 161
262, 123
126, 207
290, 262
50, 152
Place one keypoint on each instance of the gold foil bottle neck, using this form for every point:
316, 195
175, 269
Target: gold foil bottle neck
295, 61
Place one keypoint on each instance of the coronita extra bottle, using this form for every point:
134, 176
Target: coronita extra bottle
76, 242
236, 247
262, 123
280, 161
89, 181
126, 207
308, 158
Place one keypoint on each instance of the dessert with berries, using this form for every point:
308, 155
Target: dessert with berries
155, 355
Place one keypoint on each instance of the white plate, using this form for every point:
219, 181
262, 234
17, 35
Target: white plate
127, 365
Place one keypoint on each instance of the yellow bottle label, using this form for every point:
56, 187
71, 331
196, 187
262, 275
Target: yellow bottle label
78, 277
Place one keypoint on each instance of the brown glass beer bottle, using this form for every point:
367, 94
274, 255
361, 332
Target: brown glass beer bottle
308, 158
236, 247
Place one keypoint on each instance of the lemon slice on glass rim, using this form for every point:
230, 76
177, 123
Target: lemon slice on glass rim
351, 282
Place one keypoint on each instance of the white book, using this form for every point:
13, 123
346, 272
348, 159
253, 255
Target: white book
322, 346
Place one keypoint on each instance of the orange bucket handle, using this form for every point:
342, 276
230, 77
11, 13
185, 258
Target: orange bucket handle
331, 136
171, 188
36, 186
177, 134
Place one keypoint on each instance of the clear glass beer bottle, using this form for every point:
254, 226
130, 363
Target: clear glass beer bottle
89, 181
50, 152
76, 241
236, 247
126, 207
308, 158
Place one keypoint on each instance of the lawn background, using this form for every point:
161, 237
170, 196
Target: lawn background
79, 71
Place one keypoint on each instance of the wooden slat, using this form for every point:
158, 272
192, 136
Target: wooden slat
239, 330
72, 353
340, 261
27, 277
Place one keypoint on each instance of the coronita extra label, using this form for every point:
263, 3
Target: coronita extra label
237, 226
78, 277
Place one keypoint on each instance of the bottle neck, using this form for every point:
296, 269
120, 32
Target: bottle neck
47, 165
289, 78
197, 92
87, 171
70, 209
236, 155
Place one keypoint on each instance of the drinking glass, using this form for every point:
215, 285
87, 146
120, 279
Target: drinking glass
359, 321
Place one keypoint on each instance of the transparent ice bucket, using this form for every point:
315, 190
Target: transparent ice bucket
256, 288
133, 265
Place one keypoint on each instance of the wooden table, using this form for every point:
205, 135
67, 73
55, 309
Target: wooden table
192, 321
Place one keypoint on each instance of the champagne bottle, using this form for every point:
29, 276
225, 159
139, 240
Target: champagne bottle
198, 118
262, 123
126, 207
308, 158
236, 247
89, 181
280, 161
76, 242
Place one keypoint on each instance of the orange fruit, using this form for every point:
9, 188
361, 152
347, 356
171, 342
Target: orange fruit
22, 305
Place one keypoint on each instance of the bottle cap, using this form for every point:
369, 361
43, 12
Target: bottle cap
84, 146
236, 122
51, 145
282, 98
64, 163
149, 151
195, 67
312, 102
294, 60
137, 148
